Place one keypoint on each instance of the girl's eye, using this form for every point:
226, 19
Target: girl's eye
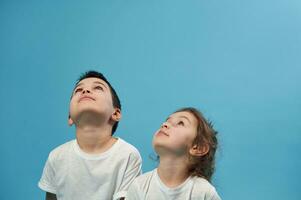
98, 87
181, 123
78, 90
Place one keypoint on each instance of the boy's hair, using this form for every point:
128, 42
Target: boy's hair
115, 98
202, 166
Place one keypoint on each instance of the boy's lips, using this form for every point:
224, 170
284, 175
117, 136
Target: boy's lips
85, 98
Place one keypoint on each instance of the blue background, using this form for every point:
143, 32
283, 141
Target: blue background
236, 60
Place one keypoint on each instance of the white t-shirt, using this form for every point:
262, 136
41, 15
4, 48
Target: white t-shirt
72, 174
150, 187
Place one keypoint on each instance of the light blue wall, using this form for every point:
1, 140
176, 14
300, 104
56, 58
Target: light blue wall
239, 61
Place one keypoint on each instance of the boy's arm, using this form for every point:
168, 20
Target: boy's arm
132, 171
47, 181
50, 196
134, 192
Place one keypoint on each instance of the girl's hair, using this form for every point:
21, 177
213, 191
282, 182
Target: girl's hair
202, 166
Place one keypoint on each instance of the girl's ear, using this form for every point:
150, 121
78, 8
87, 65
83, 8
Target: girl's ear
70, 121
197, 150
116, 116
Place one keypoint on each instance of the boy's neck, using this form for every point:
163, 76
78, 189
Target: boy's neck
173, 170
94, 140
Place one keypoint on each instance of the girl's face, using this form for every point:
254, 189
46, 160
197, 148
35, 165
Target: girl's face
176, 134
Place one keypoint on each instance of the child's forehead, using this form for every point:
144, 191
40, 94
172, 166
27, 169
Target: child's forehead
91, 80
183, 114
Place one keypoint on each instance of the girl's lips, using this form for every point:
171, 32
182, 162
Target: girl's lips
162, 133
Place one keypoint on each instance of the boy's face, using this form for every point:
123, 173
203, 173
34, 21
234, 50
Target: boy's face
176, 134
91, 96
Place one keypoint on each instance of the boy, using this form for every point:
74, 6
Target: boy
96, 165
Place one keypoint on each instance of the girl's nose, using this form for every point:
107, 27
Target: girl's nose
164, 125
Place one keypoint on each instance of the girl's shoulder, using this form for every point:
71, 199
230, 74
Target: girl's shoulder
205, 187
146, 177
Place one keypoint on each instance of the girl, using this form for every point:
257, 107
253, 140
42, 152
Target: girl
186, 145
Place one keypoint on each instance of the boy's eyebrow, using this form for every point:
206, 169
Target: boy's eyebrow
97, 82
78, 85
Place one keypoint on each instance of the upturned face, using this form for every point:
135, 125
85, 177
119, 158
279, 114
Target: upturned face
176, 134
91, 96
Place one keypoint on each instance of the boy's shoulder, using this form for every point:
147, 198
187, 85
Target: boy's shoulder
125, 146
121, 148
62, 149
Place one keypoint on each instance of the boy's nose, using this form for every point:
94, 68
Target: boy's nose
86, 91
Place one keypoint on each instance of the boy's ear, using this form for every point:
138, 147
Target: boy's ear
70, 121
116, 116
197, 150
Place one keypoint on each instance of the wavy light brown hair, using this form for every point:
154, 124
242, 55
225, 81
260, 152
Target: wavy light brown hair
202, 166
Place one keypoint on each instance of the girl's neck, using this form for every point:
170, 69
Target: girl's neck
94, 139
173, 170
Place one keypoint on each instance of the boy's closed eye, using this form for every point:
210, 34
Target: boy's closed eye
98, 87
78, 90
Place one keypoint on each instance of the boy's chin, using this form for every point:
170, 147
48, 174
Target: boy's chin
89, 115
90, 112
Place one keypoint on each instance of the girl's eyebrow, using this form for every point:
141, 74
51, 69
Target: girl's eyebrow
181, 116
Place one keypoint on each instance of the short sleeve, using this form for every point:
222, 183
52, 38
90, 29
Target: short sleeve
134, 192
46, 182
133, 169
215, 196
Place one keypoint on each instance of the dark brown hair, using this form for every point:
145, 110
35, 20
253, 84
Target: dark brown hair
115, 98
202, 166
